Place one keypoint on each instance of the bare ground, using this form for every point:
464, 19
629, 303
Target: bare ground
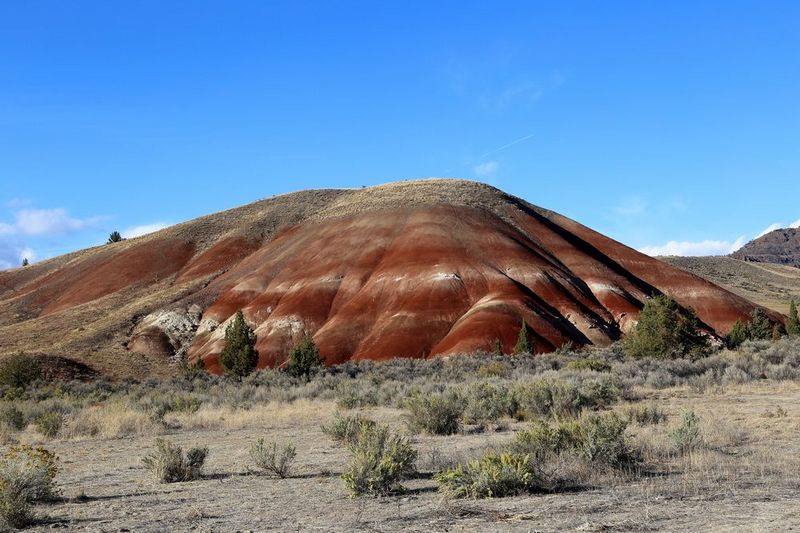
744, 479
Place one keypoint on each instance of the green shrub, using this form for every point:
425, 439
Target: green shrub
352, 394
793, 323
49, 424
169, 465
492, 476
15, 510
305, 357
737, 335
495, 369
380, 460
686, 435
759, 327
644, 415
664, 330
589, 363
239, 356
28, 473
274, 459
346, 428
11, 416
524, 343
548, 397
600, 439
488, 403
114, 236
18, 371
435, 414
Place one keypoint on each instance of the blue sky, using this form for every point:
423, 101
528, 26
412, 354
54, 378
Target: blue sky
649, 121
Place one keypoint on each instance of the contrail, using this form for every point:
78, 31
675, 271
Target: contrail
509, 145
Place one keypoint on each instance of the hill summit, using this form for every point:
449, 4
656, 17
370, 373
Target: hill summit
781, 246
407, 269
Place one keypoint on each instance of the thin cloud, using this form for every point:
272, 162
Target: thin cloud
795, 224
144, 229
35, 222
635, 205
771, 228
689, 248
488, 168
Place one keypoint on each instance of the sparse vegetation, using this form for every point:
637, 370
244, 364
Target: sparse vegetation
686, 435
273, 458
239, 356
169, 464
49, 424
380, 461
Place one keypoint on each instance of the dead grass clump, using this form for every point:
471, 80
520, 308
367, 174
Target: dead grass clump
169, 464
274, 459
644, 414
110, 420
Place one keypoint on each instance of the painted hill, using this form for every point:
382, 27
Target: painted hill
781, 247
408, 269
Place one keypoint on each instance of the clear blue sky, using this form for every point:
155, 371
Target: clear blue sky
649, 121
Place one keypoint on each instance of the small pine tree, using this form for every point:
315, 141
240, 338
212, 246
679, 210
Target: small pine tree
759, 327
239, 356
25, 262
737, 335
793, 324
304, 357
498, 347
524, 344
115, 236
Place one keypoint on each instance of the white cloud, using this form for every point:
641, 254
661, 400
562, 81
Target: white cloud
771, 228
707, 247
486, 169
50, 222
795, 224
144, 229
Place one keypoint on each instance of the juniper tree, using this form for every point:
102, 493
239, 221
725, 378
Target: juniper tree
524, 344
304, 357
25, 262
665, 331
115, 236
239, 356
759, 327
793, 324
498, 347
737, 335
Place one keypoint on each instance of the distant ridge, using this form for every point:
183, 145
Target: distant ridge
781, 247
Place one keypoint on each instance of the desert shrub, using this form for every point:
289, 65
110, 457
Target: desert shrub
304, 357
169, 464
488, 402
11, 416
49, 424
664, 330
346, 428
380, 460
351, 394
159, 404
274, 459
494, 475
29, 473
19, 371
644, 414
589, 363
435, 414
239, 356
15, 510
494, 369
548, 397
600, 439
686, 435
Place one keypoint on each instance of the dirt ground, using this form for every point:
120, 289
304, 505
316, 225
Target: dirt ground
746, 479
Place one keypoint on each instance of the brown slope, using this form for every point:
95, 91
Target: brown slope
410, 269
